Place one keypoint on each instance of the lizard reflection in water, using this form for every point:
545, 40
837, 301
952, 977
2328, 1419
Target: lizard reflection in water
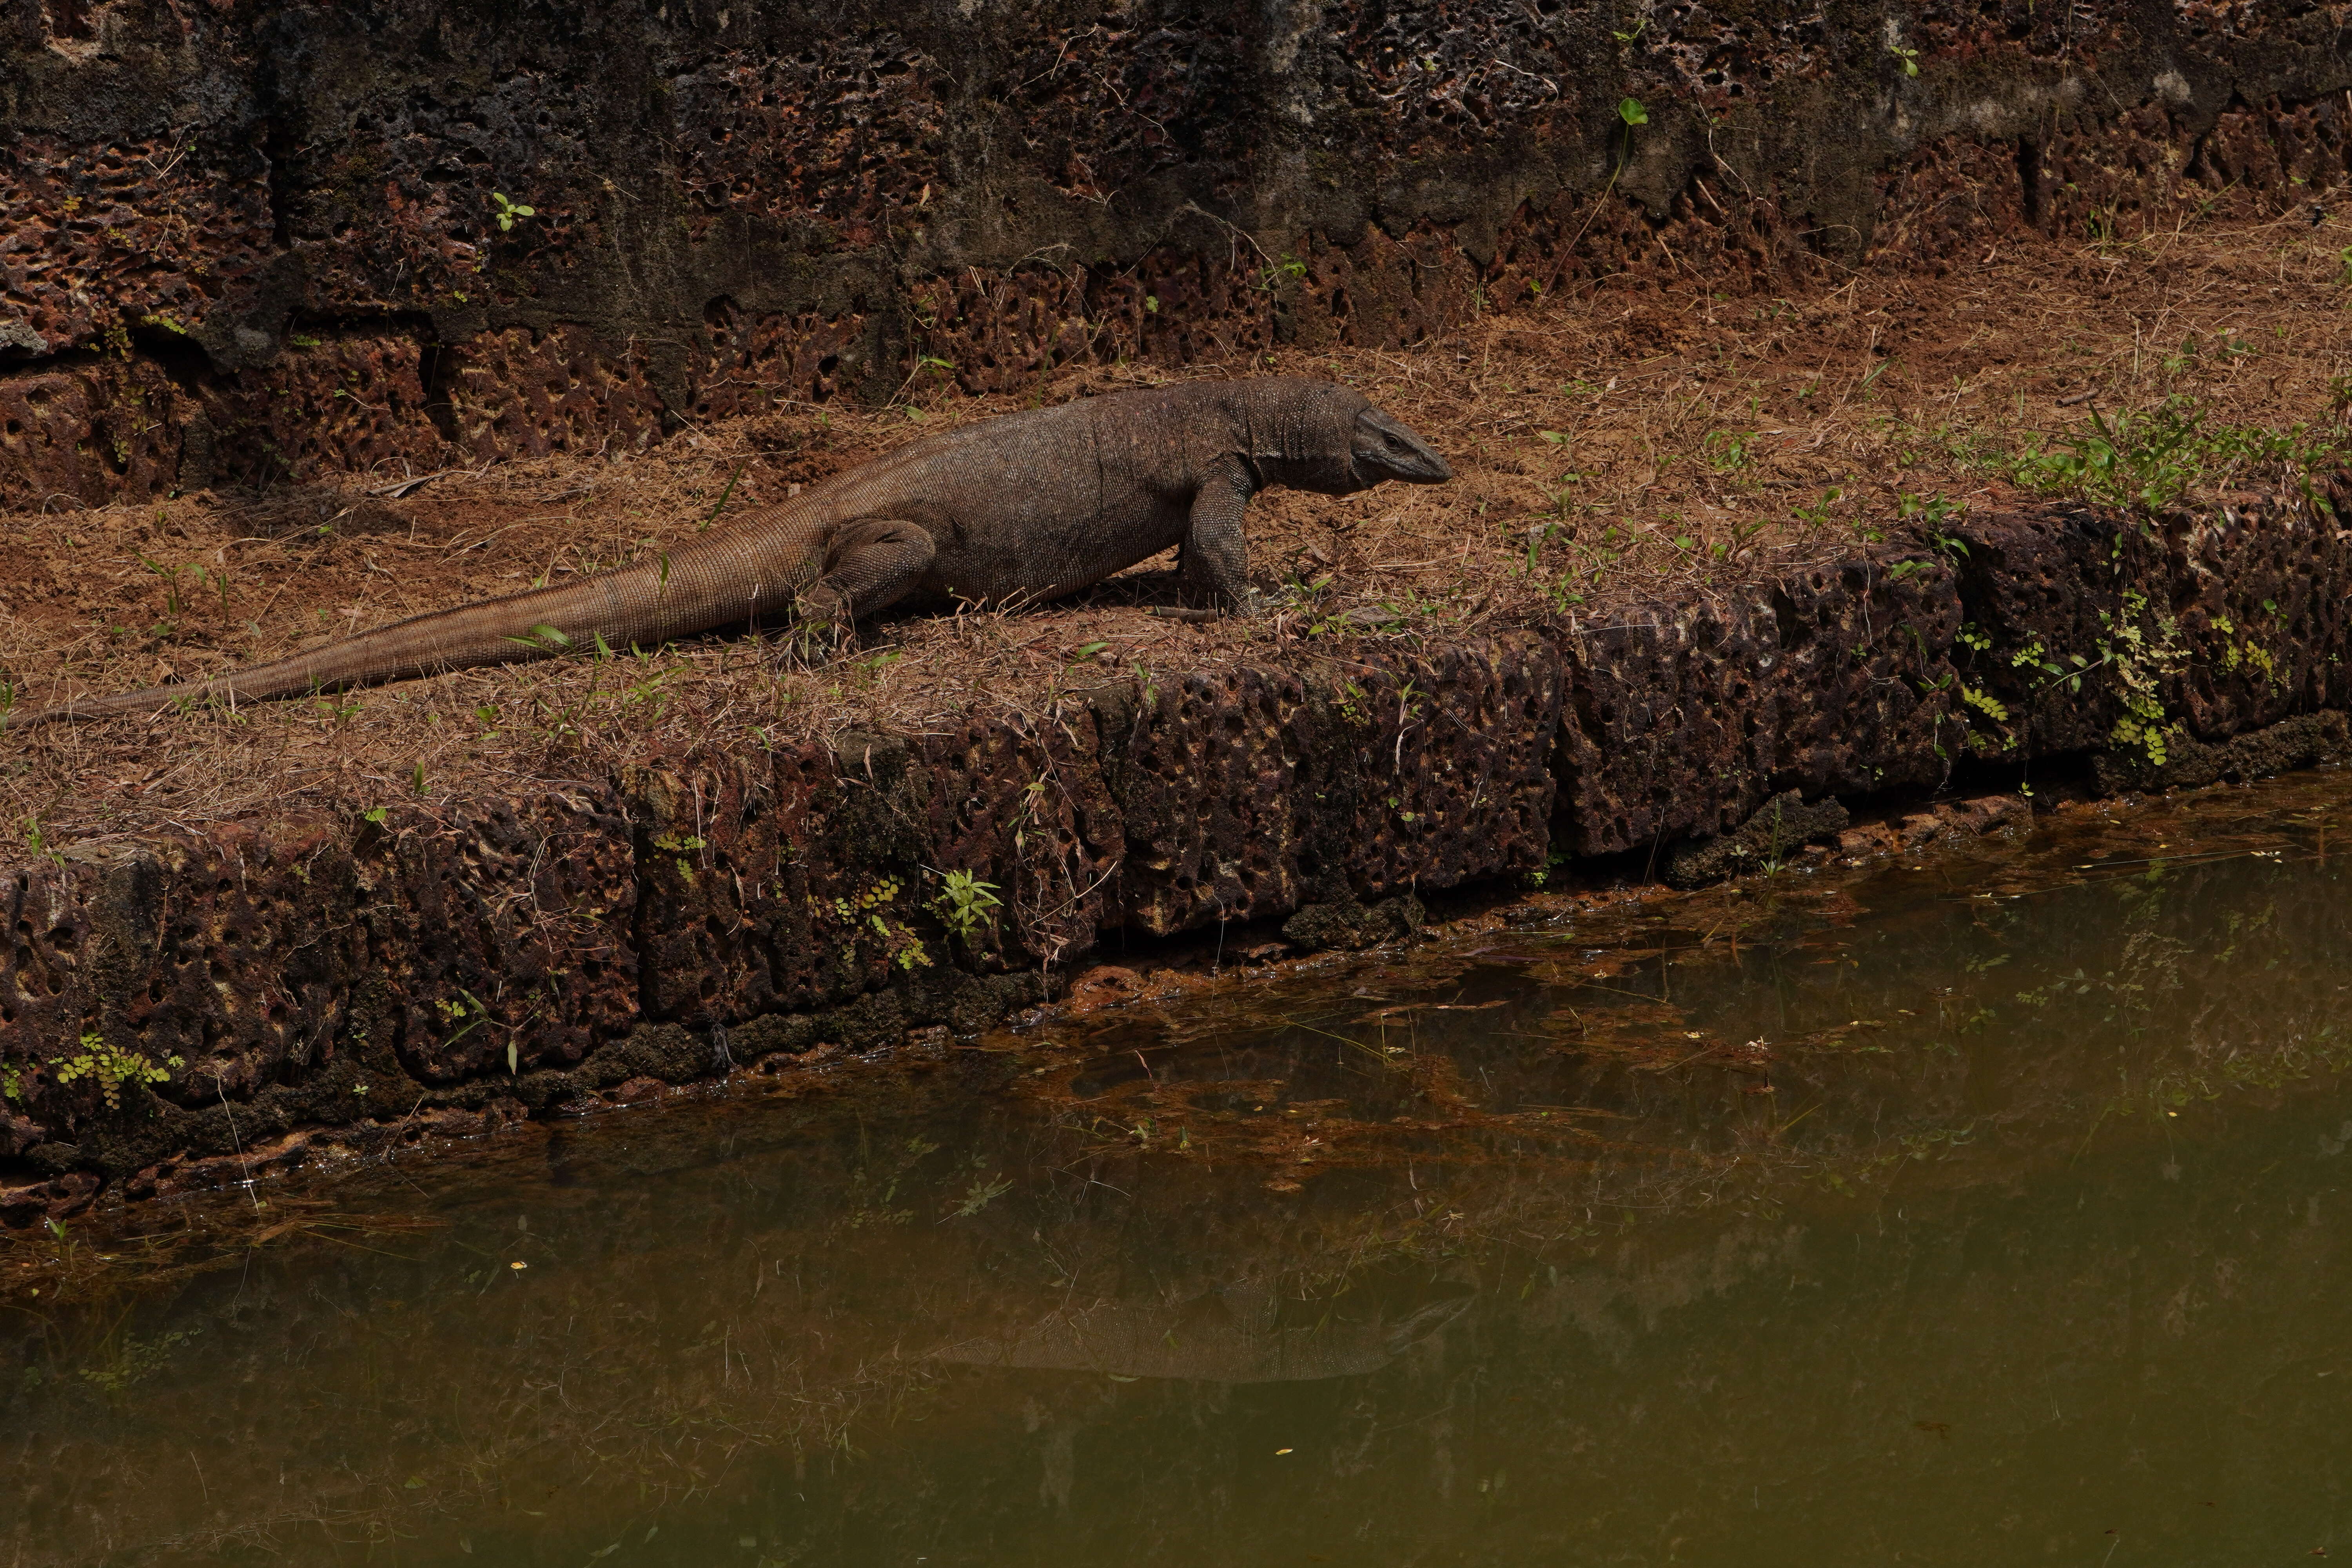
1233, 1334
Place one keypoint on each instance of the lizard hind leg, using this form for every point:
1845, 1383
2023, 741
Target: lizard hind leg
869, 565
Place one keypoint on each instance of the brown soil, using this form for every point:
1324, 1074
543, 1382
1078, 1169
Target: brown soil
1646, 436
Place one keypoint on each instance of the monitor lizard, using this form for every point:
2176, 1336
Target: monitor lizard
1005, 511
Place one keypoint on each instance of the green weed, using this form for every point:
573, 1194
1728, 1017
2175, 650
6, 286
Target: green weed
38, 842
112, 1066
2145, 462
904, 947
1818, 513
964, 903
467, 1012
681, 845
1728, 451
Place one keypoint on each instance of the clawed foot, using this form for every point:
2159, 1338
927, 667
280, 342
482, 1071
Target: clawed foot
1244, 609
1210, 601
806, 644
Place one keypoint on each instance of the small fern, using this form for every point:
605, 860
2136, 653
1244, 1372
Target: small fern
112, 1067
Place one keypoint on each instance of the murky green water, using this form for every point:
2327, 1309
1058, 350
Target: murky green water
1991, 1212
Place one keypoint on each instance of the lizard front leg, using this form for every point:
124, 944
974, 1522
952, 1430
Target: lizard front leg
1214, 562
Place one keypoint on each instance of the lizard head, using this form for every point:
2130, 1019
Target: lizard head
1383, 448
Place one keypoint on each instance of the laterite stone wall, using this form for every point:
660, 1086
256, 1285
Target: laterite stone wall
244, 241
496, 954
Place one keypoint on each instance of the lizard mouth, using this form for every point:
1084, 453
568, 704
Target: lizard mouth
1432, 469
1385, 449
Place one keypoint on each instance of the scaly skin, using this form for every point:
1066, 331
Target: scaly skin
1016, 509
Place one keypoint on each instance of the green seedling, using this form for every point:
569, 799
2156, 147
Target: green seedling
508, 213
174, 604
38, 842
1728, 451
1818, 512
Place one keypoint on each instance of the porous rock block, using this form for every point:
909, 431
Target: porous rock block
425, 946
2228, 618
97, 234
78, 435
331, 403
1780, 827
1685, 716
495, 923
521, 393
1246, 792
231, 956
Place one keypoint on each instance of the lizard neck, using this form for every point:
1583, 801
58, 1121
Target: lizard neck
1295, 433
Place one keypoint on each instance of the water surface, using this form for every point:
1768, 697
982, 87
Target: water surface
1987, 1211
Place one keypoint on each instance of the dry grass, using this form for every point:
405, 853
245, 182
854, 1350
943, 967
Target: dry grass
1643, 436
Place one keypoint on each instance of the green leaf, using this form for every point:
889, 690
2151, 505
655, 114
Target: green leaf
1631, 111
544, 636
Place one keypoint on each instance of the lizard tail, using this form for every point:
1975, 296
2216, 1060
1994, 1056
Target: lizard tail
710, 583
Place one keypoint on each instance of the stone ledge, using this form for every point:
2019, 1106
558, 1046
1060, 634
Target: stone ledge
524, 949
